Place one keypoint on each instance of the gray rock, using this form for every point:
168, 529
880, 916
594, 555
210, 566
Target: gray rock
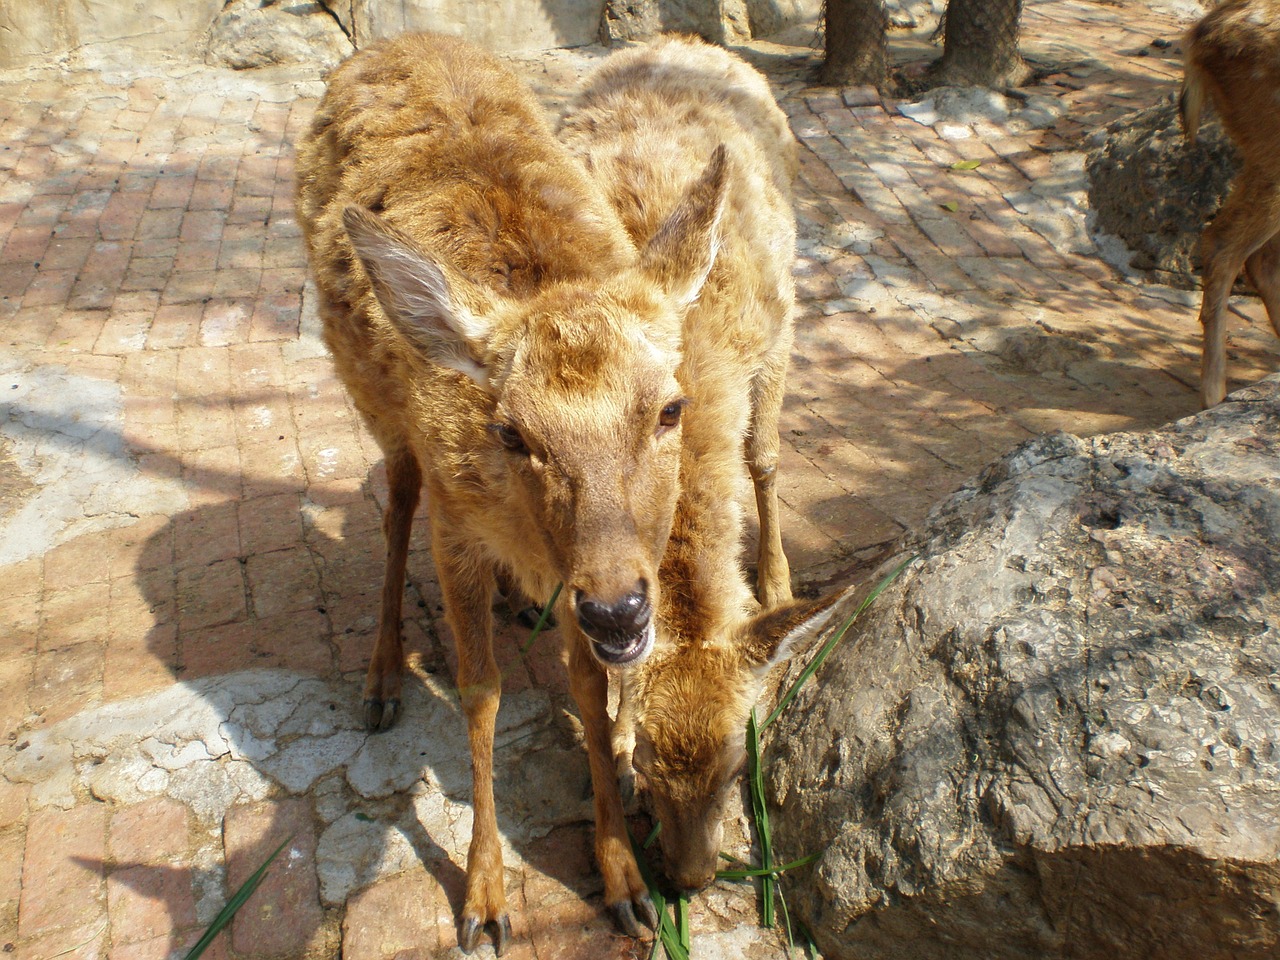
258, 33
1058, 732
720, 21
1155, 192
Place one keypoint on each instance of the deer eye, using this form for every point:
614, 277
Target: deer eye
669, 416
510, 437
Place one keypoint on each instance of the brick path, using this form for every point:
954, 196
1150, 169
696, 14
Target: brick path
189, 510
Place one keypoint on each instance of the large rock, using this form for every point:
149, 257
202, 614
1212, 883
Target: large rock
1156, 192
1056, 734
259, 33
720, 21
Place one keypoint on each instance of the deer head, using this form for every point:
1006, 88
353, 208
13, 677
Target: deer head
689, 708
572, 395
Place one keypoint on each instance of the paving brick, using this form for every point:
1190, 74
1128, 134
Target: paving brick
284, 916
150, 901
63, 871
391, 919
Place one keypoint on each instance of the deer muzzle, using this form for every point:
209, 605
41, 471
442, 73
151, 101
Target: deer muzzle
620, 632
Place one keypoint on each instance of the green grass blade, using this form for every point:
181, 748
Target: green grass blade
668, 934
542, 619
237, 901
750, 872
756, 783
810, 948
786, 922
653, 835
835, 638
682, 922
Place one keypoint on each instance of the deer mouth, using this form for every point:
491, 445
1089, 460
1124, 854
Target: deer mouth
618, 650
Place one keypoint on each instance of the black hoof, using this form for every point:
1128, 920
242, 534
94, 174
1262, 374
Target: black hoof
380, 715
469, 935
625, 915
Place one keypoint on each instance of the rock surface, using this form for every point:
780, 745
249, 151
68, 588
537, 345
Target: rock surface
1056, 733
258, 33
721, 21
1155, 192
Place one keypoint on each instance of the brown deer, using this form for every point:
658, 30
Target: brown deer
510, 346
644, 125
1233, 54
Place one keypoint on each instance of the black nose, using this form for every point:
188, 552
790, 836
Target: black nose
617, 621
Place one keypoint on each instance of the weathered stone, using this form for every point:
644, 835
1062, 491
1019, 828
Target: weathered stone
1056, 733
1155, 192
720, 21
98, 32
257, 33
498, 25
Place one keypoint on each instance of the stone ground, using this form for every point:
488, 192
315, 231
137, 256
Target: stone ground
189, 510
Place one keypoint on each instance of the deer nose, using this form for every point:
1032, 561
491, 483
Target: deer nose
627, 617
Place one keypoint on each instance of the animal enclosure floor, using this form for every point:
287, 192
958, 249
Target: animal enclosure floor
190, 542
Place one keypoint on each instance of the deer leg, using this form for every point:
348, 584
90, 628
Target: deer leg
383, 680
1263, 269
467, 584
625, 893
1243, 225
624, 739
773, 573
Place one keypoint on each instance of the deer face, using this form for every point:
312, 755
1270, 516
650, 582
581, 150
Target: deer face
580, 403
691, 715
586, 425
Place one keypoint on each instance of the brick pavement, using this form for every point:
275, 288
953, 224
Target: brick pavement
189, 509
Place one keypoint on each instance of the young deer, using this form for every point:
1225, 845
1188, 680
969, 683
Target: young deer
510, 346
1233, 53
645, 123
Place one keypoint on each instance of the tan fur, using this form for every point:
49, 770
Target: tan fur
646, 122
1233, 55
511, 347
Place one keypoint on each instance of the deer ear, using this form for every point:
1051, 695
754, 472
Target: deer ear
418, 298
680, 255
774, 635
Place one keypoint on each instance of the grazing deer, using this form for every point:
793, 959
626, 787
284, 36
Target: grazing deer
1233, 53
644, 125
510, 346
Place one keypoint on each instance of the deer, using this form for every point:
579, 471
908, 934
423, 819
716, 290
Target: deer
643, 125
1233, 58
513, 351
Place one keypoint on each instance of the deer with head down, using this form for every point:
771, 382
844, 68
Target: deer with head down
646, 121
514, 350
1233, 57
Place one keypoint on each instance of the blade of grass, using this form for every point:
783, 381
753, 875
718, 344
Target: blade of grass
761, 872
756, 775
682, 922
810, 948
237, 901
835, 638
786, 922
667, 935
542, 619
653, 835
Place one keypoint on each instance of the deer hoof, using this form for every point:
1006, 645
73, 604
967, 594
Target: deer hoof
501, 934
625, 914
469, 936
380, 715
649, 913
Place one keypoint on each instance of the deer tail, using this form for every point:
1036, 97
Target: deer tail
1191, 99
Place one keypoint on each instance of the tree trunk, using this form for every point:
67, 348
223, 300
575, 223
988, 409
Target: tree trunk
856, 43
980, 46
